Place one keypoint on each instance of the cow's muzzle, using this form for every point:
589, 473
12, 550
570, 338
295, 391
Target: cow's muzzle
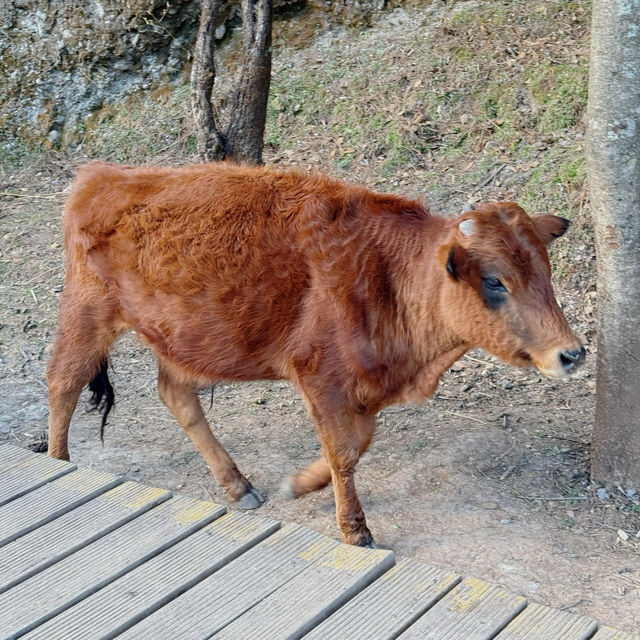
571, 359
559, 362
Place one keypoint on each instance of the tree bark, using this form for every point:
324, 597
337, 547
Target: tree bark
243, 139
249, 107
210, 141
613, 165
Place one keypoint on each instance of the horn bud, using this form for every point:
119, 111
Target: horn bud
466, 227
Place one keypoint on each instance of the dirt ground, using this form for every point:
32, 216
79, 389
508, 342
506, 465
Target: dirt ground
490, 477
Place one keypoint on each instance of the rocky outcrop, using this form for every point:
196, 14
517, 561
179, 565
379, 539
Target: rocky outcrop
62, 60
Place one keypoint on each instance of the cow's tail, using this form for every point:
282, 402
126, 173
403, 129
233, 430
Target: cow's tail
102, 395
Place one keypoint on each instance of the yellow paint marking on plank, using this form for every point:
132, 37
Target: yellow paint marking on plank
15, 463
26, 465
349, 558
276, 538
443, 585
468, 593
121, 495
465, 596
82, 480
195, 511
236, 527
316, 549
396, 575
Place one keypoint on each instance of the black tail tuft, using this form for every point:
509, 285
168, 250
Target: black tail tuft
102, 396
40, 443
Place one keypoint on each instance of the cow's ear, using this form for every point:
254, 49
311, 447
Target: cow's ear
455, 260
549, 227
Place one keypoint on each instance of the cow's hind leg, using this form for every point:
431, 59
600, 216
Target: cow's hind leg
184, 404
318, 474
78, 357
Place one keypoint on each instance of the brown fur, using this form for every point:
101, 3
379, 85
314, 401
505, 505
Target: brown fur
239, 273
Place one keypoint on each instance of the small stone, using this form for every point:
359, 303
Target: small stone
53, 136
623, 535
632, 494
507, 384
505, 520
467, 387
509, 470
603, 494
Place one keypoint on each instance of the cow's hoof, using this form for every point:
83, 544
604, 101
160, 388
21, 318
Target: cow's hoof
251, 499
367, 543
286, 490
361, 538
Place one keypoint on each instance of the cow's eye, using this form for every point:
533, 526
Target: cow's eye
494, 284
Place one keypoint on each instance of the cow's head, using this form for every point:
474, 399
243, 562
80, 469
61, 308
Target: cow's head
498, 291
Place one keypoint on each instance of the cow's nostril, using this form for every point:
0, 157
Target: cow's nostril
570, 359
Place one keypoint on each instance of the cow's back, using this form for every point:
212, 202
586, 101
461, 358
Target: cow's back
208, 263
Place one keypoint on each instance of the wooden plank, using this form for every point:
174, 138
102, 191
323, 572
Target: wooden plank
23, 471
543, 623
61, 537
228, 593
9, 454
607, 633
473, 610
28, 512
311, 596
12, 456
67, 582
139, 593
388, 606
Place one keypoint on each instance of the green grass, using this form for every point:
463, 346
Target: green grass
477, 92
443, 102
144, 126
16, 153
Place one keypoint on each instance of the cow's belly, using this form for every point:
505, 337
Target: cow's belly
209, 344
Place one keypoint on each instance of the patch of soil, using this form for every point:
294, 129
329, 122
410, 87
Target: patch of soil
490, 477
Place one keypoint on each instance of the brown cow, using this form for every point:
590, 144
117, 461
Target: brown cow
360, 299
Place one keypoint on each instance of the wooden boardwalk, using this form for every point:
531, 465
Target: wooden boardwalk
86, 555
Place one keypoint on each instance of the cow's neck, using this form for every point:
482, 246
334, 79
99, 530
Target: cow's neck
414, 344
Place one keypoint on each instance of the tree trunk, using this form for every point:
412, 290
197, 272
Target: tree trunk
211, 143
249, 107
613, 165
243, 140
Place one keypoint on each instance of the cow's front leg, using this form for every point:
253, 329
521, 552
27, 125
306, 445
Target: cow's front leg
341, 449
349, 513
